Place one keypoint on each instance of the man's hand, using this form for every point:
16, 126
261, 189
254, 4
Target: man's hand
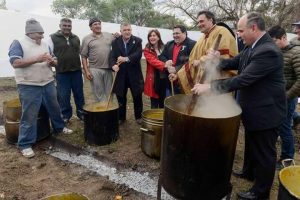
168, 63
122, 59
211, 54
196, 63
173, 77
88, 75
172, 70
200, 88
116, 35
116, 68
45, 57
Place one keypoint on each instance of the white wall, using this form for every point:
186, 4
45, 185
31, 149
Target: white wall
12, 26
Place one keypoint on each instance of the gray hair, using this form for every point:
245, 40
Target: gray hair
124, 24
256, 18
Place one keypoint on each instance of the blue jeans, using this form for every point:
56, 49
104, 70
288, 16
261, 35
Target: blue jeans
31, 98
67, 82
285, 131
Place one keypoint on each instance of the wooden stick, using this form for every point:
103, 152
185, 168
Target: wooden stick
172, 88
110, 93
200, 79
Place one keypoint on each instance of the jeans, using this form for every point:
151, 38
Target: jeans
31, 98
285, 131
67, 82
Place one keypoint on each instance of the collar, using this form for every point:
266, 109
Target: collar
97, 35
253, 45
207, 34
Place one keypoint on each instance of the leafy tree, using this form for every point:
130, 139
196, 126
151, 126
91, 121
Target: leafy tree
163, 20
138, 12
82, 9
3, 4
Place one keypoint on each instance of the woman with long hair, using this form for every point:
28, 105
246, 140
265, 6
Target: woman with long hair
154, 86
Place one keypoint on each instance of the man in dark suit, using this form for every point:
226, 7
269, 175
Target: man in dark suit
176, 54
262, 99
126, 54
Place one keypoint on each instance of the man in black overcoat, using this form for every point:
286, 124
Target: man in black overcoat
262, 99
126, 57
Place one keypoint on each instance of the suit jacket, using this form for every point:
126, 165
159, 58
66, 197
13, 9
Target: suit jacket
131, 72
260, 83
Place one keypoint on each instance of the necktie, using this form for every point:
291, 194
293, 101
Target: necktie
125, 45
246, 57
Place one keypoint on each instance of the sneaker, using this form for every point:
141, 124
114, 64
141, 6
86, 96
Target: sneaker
67, 131
28, 152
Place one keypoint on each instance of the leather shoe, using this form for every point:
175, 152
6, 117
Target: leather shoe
139, 121
243, 175
250, 195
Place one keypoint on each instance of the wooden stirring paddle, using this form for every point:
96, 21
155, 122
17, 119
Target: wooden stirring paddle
200, 79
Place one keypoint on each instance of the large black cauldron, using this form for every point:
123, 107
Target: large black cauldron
101, 125
197, 151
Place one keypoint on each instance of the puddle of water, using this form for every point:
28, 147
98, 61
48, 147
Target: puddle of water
135, 180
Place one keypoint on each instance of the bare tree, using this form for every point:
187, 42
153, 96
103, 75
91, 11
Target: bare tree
280, 12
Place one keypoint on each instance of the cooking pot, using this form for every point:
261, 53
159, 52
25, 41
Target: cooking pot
289, 182
198, 150
66, 196
151, 132
101, 124
12, 112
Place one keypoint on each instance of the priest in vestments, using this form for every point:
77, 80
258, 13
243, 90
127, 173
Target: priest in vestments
227, 48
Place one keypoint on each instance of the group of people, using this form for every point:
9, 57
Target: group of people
265, 75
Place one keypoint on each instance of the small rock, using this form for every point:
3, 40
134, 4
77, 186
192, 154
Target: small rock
2, 131
2, 195
41, 165
110, 151
107, 185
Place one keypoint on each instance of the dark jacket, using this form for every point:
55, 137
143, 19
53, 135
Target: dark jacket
291, 68
130, 71
184, 53
67, 54
261, 85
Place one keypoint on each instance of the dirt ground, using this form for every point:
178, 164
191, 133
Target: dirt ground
44, 175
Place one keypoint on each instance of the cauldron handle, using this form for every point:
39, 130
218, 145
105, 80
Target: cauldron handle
290, 162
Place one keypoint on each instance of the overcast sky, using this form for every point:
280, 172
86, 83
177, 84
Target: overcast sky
38, 7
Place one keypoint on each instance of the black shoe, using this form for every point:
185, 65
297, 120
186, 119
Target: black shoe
243, 175
250, 195
296, 121
139, 121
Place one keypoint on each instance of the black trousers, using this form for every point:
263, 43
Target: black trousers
260, 158
137, 103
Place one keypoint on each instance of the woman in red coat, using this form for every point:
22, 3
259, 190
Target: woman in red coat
154, 67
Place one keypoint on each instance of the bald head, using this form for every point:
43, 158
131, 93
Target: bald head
251, 27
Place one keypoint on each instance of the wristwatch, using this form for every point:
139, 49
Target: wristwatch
127, 59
